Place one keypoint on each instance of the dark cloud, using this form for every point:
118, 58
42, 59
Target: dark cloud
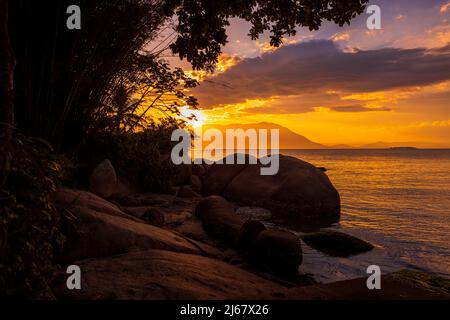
319, 66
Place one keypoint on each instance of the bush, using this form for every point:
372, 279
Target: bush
30, 226
142, 157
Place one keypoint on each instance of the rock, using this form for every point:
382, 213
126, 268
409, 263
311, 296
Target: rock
72, 200
102, 230
103, 180
298, 191
198, 170
217, 178
219, 219
187, 192
154, 216
277, 251
196, 183
336, 243
162, 275
394, 287
249, 231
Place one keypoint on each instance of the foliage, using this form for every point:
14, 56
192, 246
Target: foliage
30, 235
149, 90
142, 157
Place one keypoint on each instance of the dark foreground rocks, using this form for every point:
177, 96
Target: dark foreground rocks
278, 252
396, 286
102, 229
298, 191
336, 243
219, 219
157, 274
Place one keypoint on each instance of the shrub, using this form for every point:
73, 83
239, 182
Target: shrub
30, 226
142, 157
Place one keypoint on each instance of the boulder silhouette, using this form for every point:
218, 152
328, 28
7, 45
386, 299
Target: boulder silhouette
219, 219
277, 251
298, 191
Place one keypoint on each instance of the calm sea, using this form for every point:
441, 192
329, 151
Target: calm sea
399, 200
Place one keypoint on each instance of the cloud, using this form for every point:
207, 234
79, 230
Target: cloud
400, 17
316, 67
445, 7
341, 36
357, 109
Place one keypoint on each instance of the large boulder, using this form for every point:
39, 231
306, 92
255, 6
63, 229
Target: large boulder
277, 251
336, 243
102, 229
298, 191
162, 275
103, 180
219, 219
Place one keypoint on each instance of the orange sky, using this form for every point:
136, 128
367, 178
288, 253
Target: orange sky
358, 87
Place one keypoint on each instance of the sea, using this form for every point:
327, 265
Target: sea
397, 199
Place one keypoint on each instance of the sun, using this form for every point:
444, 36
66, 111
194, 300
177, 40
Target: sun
188, 114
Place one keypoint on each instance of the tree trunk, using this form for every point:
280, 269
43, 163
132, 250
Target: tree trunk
7, 65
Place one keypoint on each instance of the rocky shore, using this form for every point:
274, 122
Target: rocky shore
194, 243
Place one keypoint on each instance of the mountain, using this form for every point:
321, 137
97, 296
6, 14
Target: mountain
387, 145
288, 138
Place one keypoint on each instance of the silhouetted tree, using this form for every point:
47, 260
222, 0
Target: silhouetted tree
7, 64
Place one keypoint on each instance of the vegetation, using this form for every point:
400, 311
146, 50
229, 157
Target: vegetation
30, 227
142, 157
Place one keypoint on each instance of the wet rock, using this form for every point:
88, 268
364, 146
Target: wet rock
336, 243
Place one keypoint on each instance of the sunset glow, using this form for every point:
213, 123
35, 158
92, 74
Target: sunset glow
393, 88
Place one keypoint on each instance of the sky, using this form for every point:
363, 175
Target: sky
348, 85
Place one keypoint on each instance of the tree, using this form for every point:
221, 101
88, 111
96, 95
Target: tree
7, 64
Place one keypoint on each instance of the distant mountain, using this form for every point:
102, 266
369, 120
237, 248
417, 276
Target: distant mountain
388, 145
288, 138
341, 146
